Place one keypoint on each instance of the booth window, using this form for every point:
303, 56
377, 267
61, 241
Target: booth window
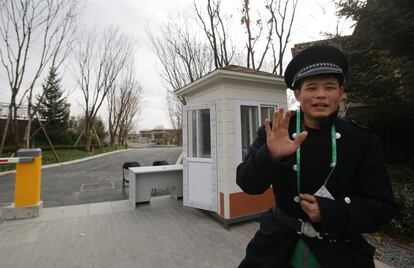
250, 118
199, 136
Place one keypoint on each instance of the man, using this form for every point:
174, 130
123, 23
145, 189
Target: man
327, 174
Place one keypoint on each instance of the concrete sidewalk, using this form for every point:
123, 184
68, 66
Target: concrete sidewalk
112, 234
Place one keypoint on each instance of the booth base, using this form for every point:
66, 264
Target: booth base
227, 222
14, 213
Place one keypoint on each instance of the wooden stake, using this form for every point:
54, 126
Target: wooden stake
96, 134
80, 136
47, 137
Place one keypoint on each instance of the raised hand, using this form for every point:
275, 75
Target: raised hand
278, 142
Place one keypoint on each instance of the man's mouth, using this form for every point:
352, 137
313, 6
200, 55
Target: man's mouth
320, 105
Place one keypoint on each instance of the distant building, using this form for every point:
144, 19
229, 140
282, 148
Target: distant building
21, 111
157, 136
73, 123
22, 119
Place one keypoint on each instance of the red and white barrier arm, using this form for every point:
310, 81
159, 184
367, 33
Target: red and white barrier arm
15, 160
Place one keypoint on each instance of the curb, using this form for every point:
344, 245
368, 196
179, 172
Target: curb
69, 162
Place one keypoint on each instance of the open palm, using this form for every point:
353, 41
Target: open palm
278, 142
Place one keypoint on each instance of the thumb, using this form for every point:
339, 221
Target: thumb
300, 138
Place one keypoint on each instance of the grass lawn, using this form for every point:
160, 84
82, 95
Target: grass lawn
64, 155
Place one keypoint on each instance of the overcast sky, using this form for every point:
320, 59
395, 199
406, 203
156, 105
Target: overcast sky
133, 17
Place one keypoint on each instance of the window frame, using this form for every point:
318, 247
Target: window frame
197, 122
238, 133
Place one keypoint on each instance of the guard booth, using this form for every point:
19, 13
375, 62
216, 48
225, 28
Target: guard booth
223, 111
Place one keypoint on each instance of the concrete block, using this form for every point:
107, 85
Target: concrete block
13, 213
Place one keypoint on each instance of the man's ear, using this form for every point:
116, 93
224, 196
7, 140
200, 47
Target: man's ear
297, 94
341, 92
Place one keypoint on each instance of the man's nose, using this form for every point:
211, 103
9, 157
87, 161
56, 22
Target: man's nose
320, 93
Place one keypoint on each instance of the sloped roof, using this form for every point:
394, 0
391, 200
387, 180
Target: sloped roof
242, 69
232, 72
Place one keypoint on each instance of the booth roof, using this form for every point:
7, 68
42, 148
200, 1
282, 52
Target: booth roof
241, 69
235, 72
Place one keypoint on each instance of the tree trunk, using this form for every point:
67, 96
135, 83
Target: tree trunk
111, 138
179, 135
14, 128
88, 136
5, 131
28, 126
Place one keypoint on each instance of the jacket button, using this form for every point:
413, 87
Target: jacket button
294, 135
295, 167
337, 135
347, 200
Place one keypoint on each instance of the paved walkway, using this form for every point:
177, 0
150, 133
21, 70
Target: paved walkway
111, 234
101, 178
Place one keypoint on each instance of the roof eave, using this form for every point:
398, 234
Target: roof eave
226, 74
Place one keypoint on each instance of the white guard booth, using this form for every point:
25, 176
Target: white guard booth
223, 111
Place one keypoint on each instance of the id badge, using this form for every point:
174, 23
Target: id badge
323, 192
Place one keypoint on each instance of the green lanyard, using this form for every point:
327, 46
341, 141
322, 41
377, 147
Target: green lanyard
333, 157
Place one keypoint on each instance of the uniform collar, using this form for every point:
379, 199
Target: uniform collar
326, 123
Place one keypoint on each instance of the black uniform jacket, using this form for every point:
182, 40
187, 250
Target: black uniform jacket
360, 176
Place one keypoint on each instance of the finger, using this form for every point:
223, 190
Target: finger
267, 126
275, 120
286, 120
300, 138
307, 197
281, 115
306, 206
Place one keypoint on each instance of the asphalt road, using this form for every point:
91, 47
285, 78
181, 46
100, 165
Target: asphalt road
101, 178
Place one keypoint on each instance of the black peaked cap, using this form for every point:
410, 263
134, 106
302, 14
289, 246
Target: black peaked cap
315, 60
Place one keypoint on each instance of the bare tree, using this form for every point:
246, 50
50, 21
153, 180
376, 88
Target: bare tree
27, 27
275, 36
124, 106
131, 113
100, 58
184, 59
253, 38
283, 15
216, 33
175, 114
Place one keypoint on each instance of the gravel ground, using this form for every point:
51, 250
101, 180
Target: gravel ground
391, 252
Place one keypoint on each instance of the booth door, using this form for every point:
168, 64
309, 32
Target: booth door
200, 165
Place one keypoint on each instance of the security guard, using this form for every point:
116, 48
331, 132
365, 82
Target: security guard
328, 175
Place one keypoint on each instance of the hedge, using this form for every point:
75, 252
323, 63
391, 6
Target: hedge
402, 180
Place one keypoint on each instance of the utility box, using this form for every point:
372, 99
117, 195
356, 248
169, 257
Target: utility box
223, 111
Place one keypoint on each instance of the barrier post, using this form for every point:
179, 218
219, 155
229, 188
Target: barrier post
28, 178
27, 202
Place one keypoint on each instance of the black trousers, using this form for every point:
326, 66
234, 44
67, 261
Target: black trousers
269, 250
